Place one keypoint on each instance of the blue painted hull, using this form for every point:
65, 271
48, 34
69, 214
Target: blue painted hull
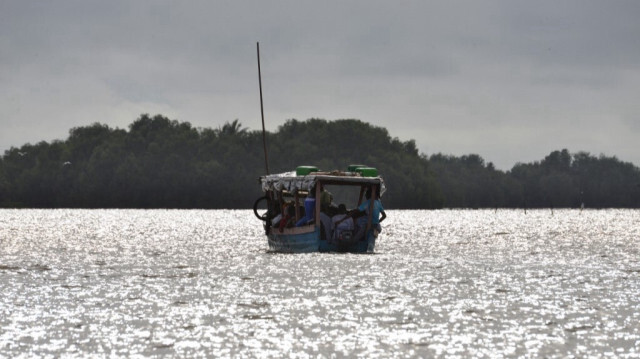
311, 242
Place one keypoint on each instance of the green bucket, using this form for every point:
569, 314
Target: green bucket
354, 168
305, 170
367, 171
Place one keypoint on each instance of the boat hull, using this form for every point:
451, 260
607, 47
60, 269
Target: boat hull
311, 241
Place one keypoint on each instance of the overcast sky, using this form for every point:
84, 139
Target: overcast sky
508, 80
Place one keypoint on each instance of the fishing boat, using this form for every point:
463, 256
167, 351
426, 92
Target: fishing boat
299, 219
300, 216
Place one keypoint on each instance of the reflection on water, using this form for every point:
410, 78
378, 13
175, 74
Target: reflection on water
201, 283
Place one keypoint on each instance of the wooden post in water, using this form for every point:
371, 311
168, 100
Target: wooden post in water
264, 136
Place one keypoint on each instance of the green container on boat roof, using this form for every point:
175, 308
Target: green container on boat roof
367, 171
353, 168
305, 170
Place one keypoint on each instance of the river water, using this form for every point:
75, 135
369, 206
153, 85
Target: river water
450, 283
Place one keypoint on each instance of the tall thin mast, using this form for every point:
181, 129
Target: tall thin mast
264, 136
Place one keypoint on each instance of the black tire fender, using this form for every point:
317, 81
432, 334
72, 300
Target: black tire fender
255, 208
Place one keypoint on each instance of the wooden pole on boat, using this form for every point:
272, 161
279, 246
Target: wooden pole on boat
362, 189
264, 136
296, 199
372, 199
318, 195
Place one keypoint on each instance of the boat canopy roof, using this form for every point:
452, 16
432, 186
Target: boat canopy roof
289, 181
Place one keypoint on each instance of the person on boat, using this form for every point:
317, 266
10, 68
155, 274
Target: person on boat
362, 215
289, 219
342, 222
377, 209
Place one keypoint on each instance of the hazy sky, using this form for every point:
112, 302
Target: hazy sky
508, 80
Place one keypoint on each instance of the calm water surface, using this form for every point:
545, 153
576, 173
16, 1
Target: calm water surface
79, 283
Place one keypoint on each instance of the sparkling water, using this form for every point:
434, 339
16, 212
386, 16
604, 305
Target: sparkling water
450, 283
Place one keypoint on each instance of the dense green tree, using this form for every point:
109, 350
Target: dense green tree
163, 163
565, 180
468, 182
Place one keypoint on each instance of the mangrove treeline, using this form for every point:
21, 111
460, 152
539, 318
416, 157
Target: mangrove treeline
163, 163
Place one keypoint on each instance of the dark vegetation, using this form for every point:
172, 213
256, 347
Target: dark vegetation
160, 163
